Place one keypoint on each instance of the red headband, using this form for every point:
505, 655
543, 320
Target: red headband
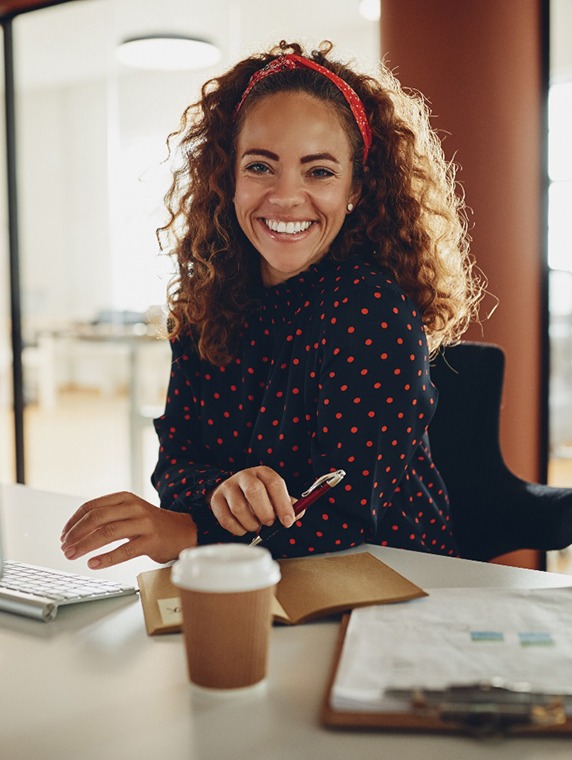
291, 61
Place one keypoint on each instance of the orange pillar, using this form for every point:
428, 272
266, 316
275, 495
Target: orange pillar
479, 64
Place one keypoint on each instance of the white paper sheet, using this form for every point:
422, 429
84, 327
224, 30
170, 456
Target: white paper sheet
455, 637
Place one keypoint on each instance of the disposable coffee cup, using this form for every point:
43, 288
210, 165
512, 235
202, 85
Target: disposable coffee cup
226, 597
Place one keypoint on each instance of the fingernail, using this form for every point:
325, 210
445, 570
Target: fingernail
70, 552
94, 563
288, 521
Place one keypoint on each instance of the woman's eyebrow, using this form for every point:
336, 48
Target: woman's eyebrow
319, 157
261, 152
304, 160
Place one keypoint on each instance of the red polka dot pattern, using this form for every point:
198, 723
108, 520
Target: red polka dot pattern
333, 373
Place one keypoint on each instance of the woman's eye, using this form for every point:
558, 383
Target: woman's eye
320, 173
257, 168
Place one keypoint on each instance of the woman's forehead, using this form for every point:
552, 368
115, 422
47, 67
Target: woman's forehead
296, 115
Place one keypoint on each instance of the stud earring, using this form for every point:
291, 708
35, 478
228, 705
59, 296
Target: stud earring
350, 207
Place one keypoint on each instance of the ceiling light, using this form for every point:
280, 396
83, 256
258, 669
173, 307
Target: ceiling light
167, 52
370, 9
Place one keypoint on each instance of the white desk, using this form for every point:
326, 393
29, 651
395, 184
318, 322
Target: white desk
92, 685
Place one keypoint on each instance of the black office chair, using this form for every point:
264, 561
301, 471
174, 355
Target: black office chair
493, 511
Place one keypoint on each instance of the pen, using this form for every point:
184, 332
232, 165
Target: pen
312, 494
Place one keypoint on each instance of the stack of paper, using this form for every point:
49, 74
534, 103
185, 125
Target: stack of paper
455, 637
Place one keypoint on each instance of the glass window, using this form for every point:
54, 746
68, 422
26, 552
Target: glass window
7, 464
560, 258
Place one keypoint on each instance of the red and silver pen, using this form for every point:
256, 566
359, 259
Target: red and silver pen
316, 490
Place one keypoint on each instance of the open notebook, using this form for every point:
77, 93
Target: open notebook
37, 592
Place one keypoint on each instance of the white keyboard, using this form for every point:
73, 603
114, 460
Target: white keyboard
38, 591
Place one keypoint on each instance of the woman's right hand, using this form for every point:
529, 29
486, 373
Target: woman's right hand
251, 498
143, 528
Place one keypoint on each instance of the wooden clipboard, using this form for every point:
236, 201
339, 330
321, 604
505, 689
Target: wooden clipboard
409, 721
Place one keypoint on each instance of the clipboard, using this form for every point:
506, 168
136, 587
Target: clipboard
482, 710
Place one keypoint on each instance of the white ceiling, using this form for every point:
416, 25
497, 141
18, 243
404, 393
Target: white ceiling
76, 40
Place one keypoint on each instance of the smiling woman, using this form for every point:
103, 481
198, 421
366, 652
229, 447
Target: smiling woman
321, 256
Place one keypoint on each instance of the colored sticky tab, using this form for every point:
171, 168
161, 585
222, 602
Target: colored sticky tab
535, 639
487, 636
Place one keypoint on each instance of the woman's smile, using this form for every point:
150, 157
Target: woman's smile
287, 227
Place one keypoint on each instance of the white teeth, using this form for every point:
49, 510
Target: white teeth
290, 228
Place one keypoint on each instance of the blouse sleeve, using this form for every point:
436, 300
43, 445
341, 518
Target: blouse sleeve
182, 476
374, 403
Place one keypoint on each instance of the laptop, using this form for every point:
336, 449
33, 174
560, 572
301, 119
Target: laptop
38, 592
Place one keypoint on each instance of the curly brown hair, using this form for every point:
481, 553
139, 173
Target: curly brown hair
410, 213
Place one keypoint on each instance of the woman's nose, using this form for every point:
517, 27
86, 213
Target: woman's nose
287, 190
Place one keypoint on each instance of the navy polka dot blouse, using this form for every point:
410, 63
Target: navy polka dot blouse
333, 372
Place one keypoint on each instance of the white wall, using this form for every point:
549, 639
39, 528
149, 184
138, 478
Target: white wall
63, 195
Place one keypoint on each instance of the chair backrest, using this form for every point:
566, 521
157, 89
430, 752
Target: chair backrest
464, 432
493, 510
464, 437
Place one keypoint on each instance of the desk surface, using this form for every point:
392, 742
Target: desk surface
92, 684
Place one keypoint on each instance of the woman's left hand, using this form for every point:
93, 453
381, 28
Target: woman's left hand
148, 530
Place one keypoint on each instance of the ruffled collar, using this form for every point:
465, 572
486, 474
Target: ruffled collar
283, 301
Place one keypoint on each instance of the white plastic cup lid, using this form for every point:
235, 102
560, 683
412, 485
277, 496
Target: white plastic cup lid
225, 568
